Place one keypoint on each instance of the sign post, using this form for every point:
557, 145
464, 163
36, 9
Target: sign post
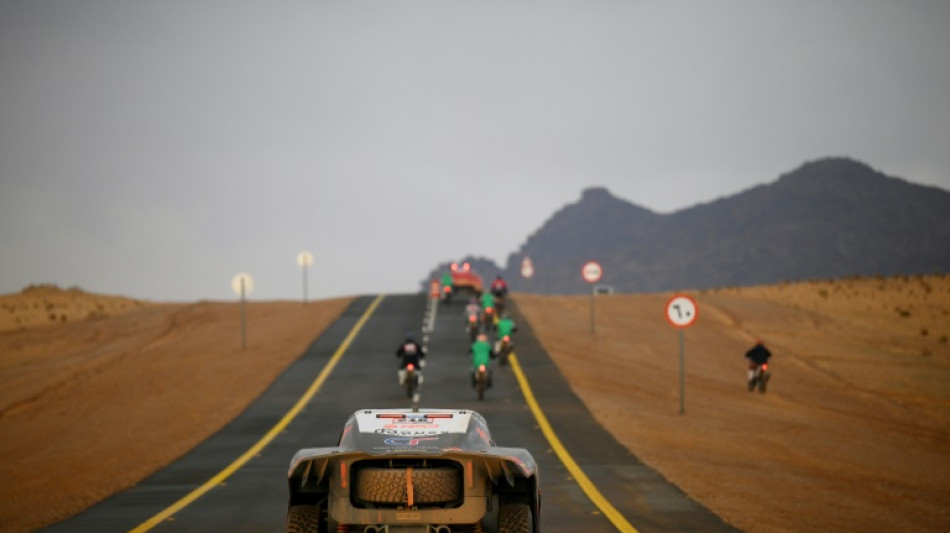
304, 260
681, 312
592, 272
242, 285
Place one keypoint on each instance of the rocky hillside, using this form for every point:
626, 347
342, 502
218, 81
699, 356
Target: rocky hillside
829, 218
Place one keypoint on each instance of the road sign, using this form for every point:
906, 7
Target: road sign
304, 259
242, 285
681, 311
527, 267
592, 271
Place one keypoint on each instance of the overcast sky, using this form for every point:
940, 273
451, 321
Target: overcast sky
156, 149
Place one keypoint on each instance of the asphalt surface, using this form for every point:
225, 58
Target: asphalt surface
254, 498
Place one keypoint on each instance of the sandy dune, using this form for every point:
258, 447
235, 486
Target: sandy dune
853, 435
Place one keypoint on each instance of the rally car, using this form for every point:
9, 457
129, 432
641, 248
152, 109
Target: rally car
464, 279
414, 471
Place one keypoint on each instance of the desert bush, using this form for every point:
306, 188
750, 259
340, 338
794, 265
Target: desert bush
924, 332
823, 293
904, 313
942, 339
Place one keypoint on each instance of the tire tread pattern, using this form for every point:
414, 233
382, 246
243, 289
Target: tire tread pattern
303, 519
388, 485
515, 518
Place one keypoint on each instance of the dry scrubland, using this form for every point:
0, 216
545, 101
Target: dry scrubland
98, 392
853, 435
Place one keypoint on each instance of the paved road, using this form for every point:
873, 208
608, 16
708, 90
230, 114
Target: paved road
253, 499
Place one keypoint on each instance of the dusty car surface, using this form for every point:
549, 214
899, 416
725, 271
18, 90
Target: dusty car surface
414, 470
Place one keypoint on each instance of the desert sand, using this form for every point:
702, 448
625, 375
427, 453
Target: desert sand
853, 434
98, 392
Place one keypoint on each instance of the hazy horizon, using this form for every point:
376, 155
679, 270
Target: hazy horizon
157, 149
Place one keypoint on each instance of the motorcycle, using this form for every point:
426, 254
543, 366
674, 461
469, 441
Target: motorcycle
411, 384
472, 327
446, 295
760, 378
499, 304
488, 319
503, 349
481, 381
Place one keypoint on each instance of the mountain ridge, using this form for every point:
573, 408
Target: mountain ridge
831, 217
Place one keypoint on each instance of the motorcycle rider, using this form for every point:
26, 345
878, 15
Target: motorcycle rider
499, 290
488, 302
472, 308
481, 351
757, 356
446, 286
410, 352
498, 287
505, 326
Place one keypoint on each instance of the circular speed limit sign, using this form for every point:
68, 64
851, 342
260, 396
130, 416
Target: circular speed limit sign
681, 311
527, 267
592, 271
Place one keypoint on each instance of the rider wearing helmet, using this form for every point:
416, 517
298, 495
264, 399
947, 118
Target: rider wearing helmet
498, 290
488, 300
410, 352
757, 356
505, 326
473, 308
481, 351
498, 287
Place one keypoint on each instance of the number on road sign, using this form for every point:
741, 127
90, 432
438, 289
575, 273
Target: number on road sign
592, 272
681, 311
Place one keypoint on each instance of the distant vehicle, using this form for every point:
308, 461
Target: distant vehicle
425, 470
464, 279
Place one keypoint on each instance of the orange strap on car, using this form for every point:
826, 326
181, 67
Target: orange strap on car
409, 485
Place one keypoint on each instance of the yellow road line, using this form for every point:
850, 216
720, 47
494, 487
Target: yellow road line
266, 439
585, 483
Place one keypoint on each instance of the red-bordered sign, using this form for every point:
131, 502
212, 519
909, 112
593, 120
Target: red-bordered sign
592, 272
681, 311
